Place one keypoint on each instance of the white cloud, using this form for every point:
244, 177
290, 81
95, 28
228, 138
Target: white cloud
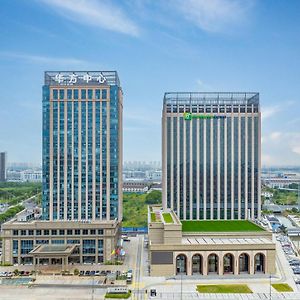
296, 149
215, 15
276, 135
281, 148
269, 111
202, 85
95, 13
42, 59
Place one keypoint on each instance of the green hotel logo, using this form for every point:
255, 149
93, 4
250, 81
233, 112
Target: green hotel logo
189, 116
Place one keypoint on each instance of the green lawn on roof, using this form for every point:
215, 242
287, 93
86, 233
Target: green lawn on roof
167, 217
224, 288
153, 217
219, 226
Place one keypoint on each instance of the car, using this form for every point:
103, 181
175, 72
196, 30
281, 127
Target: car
296, 271
97, 273
81, 273
87, 273
297, 281
103, 272
92, 273
126, 239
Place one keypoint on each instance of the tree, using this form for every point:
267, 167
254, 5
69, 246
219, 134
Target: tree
154, 197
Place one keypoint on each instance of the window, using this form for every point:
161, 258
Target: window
100, 231
73, 241
97, 94
15, 232
69, 232
61, 232
38, 232
90, 94
83, 94
85, 231
54, 232
89, 247
104, 94
61, 94
93, 231
57, 242
26, 246
23, 232
100, 246
39, 242
77, 231
46, 232
30, 232
55, 94
75, 94
69, 94
15, 247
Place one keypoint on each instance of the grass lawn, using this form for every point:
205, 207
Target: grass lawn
282, 287
118, 296
153, 217
224, 288
219, 226
168, 218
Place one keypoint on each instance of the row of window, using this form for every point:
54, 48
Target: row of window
75, 93
209, 109
24, 232
88, 246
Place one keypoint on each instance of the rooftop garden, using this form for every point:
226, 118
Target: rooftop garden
153, 217
168, 218
219, 226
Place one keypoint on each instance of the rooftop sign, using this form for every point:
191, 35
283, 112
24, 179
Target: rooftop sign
189, 116
74, 78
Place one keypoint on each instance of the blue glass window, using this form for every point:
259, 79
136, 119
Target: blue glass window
97, 92
89, 247
83, 94
61, 94
90, 94
75, 94
26, 246
69, 94
15, 247
57, 242
55, 94
104, 94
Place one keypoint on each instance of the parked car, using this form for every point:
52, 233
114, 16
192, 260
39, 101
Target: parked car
296, 271
92, 273
87, 273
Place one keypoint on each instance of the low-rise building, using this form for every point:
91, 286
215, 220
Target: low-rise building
63, 243
203, 248
135, 186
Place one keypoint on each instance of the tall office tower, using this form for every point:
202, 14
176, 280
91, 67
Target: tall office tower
212, 155
82, 146
3, 158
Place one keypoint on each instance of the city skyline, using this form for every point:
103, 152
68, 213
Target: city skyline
156, 48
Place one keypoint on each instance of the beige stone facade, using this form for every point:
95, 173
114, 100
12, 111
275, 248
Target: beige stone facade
173, 252
49, 242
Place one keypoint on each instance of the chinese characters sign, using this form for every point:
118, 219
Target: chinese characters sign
74, 78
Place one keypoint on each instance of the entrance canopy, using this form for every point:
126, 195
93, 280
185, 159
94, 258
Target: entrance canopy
53, 250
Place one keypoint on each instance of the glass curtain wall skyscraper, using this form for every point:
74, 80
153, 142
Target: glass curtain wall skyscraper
212, 155
82, 146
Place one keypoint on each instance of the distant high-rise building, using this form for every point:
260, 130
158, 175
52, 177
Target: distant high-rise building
211, 155
82, 146
3, 163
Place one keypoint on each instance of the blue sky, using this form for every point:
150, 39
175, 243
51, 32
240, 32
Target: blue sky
156, 46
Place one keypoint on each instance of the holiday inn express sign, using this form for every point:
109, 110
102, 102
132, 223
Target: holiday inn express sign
189, 116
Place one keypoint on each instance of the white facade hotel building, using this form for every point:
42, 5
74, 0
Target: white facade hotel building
211, 144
